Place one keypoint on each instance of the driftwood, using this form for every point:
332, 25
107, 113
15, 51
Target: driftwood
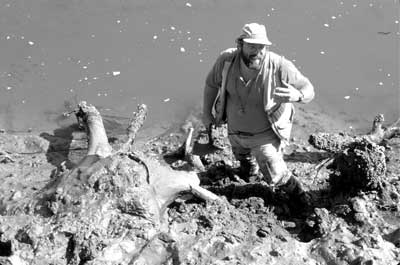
106, 210
357, 161
185, 152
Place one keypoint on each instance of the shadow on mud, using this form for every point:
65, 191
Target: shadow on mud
66, 144
303, 222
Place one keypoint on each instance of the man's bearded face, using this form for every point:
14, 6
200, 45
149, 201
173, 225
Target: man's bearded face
253, 55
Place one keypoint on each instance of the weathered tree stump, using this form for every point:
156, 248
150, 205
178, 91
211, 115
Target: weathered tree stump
358, 161
107, 210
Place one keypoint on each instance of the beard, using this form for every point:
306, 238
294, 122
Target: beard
252, 61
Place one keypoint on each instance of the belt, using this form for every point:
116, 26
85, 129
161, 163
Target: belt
247, 133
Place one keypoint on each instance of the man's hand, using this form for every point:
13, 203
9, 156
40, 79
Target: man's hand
287, 94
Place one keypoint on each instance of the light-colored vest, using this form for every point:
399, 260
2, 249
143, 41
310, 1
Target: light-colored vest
280, 115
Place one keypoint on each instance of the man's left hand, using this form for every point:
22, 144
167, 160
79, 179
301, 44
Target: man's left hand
287, 94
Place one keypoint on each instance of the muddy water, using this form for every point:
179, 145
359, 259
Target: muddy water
117, 54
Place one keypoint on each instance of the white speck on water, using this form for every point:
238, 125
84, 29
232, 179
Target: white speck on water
350, 127
371, 4
341, 3
322, 52
167, 99
268, 15
346, 97
354, 5
388, 75
8, 37
180, 31
188, 32
308, 38
115, 73
105, 94
31, 43
201, 60
188, 4
80, 80
182, 49
340, 15
326, 25
108, 73
381, 83
396, 22
92, 35
189, 38
42, 64
155, 37
200, 39
85, 78
9, 88
23, 101
333, 17
118, 21
172, 28
380, 69
22, 37
98, 94
357, 88
272, 9
95, 78
172, 40
84, 67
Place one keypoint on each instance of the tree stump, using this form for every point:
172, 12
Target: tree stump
109, 209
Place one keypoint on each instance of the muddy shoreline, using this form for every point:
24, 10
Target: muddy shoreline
252, 224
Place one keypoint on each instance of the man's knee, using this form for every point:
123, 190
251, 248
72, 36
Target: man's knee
273, 168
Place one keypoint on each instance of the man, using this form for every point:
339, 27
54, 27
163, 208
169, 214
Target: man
256, 89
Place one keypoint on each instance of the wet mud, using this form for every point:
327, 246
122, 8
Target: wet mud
251, 223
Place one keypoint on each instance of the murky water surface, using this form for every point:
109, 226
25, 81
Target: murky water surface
117, 54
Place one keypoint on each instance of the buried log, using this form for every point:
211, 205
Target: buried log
358, 161
165, 190
106, 210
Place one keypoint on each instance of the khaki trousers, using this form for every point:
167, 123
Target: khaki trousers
264, 149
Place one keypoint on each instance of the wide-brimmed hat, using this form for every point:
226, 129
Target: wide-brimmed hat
254, 33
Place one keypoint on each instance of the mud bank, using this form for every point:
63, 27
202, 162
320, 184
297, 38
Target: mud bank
251, 222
